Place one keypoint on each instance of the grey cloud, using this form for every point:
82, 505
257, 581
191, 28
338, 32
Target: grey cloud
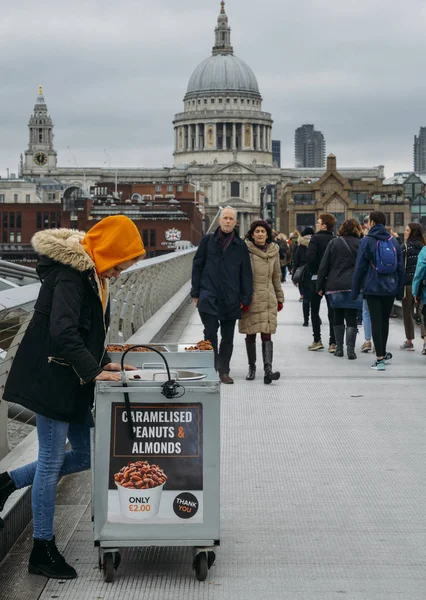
115, 73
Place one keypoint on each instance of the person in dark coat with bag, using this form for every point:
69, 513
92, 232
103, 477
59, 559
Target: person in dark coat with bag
60, 357
222, 286
379, 288
305, 280
414, 242
335, 281
317, 246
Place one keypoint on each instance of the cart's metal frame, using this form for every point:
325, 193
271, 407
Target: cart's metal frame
202, 537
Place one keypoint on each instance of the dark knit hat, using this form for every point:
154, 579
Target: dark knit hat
308, 231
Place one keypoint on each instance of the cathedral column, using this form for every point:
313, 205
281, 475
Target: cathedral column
197, 136
251, 137
234, 136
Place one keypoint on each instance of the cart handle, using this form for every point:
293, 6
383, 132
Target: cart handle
169, 389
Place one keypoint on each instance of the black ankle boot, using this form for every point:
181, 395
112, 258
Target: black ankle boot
267, 351
339, 334
351, 333
7, 487
251, 355
45, 559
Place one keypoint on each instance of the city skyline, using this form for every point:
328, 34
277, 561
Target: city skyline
112, 97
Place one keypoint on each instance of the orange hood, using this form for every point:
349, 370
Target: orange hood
112, 241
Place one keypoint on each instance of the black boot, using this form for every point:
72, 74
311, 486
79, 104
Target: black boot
350, 342
251, 355
339, 334
45, 559
267, 351
305, 315
7, 487
224, 358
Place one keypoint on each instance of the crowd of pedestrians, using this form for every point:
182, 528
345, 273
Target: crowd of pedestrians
360, 270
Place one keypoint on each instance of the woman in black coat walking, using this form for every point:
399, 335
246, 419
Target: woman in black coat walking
300, 261
58, 361
414, 242
334, 276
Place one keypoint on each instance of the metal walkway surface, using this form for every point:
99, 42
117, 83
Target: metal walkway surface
323, 488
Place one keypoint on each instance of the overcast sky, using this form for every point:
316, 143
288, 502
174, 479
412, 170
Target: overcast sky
114, 73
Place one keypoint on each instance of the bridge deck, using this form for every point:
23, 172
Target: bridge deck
323, 489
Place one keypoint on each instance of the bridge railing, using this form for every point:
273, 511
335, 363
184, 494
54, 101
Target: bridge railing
138, 294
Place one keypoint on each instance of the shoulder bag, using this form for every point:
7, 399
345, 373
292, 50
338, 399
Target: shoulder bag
299, 274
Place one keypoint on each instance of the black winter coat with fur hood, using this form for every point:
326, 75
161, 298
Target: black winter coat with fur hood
63, 348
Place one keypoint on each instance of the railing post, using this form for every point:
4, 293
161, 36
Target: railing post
4, 443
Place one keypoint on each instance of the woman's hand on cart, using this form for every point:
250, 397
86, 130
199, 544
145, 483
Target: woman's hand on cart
111, 372
108, 376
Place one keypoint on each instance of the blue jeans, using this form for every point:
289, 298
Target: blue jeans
52, 464
366, 320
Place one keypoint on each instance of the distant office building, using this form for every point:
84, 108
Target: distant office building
309, 147
420, 151
276, 153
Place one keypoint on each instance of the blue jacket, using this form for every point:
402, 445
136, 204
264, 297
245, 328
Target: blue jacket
222, 281
420, 274
366, 278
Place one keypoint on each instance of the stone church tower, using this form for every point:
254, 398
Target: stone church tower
40, 158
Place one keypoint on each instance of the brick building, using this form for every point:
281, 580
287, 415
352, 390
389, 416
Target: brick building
161, 219
19, 222
300, 204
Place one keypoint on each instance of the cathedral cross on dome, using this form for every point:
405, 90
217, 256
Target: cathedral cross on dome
222, 10
40, 90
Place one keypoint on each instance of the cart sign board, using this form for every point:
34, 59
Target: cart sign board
157, 476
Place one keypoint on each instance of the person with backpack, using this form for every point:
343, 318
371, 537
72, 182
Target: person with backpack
380, 275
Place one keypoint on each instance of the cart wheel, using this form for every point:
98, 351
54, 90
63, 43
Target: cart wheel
211, 557
108, 567
200, 566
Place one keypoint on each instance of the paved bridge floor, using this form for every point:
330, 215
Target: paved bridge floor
323, 488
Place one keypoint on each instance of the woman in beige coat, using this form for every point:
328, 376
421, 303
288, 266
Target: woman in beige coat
267, 300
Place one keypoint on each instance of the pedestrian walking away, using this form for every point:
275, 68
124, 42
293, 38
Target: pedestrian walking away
316, 249
414, 242
335, 281
302, 271
57, 380
222, 284
379, 274
267, 301
281, 240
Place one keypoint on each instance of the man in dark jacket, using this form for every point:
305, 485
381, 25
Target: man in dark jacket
380, 289
222, 284
317, 245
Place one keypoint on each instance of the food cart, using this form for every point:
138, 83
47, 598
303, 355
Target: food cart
156, 456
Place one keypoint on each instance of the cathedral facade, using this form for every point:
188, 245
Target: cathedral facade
222, 140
